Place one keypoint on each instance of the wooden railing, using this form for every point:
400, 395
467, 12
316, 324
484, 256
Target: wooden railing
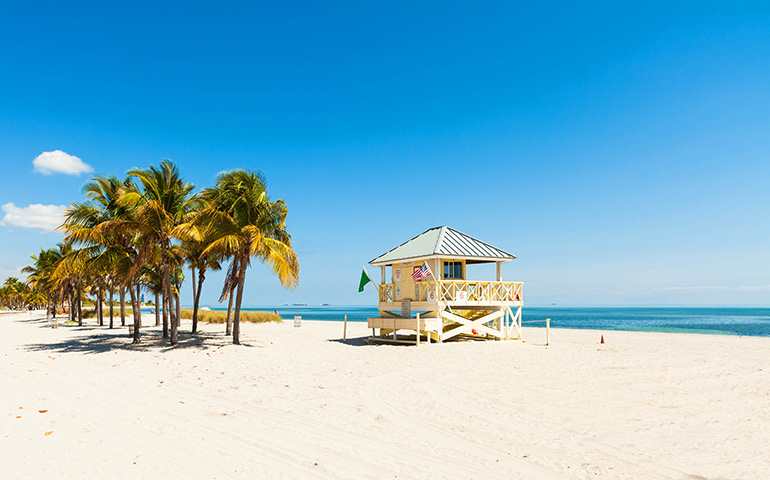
457, 292
387, 293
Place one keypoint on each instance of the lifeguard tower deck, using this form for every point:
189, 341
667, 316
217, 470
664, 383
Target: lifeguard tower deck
445, 305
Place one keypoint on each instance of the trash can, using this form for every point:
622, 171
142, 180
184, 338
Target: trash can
297, 320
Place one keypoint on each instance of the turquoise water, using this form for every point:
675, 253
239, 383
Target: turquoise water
718, 321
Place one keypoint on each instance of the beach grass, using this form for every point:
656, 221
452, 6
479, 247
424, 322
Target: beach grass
209, 316
220, 316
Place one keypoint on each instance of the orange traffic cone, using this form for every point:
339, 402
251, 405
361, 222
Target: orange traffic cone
602, 339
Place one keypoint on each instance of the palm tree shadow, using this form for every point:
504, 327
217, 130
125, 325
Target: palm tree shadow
109, 341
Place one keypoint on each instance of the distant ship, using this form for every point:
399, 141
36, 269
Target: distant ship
324, 304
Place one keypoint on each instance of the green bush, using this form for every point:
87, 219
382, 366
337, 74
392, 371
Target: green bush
220, 316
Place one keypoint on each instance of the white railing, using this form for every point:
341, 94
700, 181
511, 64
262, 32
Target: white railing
458, 292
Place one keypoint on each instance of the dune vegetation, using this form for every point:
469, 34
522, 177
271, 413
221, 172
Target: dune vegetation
220, 316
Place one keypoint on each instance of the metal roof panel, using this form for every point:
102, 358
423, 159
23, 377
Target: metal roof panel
444, 241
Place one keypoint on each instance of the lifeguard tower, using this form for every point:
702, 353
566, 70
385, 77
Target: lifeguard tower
445, 305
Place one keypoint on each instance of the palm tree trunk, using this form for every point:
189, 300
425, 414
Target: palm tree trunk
201, 278
178, 311
122, 291
137, 317
164, 301
100, 305
237, 313
174, 334
167, 306
157, 309
195, 295
97, 304
111, 294
80, 305
139, 302
231, 294
229, 321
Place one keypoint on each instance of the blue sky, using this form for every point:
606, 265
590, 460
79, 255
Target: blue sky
621, 151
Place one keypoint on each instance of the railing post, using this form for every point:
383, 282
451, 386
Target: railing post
418, 330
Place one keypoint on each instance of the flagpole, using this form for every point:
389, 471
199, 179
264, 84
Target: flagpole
371, 279
425, 262
431, 271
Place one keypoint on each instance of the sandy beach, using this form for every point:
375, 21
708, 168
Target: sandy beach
81, 402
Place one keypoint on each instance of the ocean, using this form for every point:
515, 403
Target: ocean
716, 321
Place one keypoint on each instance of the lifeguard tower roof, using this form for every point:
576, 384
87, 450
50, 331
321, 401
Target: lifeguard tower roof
444, 242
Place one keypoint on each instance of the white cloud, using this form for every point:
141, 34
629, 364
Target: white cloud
41, 217
57, 161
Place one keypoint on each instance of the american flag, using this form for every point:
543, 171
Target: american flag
421, 272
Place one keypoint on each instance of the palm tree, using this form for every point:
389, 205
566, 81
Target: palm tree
177, 277
245, 224
36, 299
68, 274
5, 294
193, 251
163, 202
39, 274
153, 282
110, 284
86, 223
49, 272
12, 291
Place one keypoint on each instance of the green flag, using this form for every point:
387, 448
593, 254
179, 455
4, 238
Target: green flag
365, 278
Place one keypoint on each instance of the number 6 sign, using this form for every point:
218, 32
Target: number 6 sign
431, 295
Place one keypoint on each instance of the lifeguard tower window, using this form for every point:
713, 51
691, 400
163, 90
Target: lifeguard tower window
453, 270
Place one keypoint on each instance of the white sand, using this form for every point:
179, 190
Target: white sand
296, 403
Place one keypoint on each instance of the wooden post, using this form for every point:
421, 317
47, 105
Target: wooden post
505, 322
547, 331
501, 323
345, 330
440, 331
418, 330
